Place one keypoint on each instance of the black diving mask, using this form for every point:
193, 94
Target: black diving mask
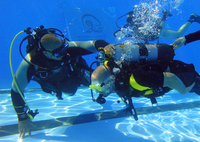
60, 51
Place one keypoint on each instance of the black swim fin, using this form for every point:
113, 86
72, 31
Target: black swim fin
166, 13
194, 18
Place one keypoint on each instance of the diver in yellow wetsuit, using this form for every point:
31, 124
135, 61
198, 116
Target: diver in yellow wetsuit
150, 72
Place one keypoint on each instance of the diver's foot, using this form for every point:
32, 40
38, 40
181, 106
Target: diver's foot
194, 18
59, 98
117, 33
196, 88
167, 13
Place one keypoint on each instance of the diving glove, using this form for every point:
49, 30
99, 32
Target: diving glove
28, 115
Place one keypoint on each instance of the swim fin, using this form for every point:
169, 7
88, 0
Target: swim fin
166, 13
194, 18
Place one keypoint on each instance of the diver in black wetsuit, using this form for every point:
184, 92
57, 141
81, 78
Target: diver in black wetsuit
56, 64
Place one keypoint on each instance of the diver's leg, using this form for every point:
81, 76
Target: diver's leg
162, 24
69, 86
175, 34
184, 28
85, 72
71, 89
166, 14
196, 88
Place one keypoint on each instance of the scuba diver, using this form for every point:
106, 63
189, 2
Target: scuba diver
140, 70
144, 24
55, 63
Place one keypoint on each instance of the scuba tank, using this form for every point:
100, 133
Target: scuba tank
143, 52
136, 52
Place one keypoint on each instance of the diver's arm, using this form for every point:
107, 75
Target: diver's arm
178, 43
22, 79
174, 34
192, 37
90, 46
173, 82
169, 34
22, 82
186, 39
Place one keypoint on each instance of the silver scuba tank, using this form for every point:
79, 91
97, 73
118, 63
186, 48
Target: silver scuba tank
136, 52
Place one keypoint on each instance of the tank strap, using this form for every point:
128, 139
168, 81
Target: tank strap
143, 51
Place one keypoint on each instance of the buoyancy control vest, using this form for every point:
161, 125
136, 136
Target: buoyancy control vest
133, 56
57, 73
125, 82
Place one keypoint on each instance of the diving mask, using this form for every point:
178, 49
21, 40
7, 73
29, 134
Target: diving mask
61, 51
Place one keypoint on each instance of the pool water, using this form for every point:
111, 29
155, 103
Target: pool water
79, 119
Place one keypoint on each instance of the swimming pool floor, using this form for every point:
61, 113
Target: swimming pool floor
79, 119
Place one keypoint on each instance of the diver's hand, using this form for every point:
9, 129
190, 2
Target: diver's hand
179, 42
109, 50
25, 123
24, 126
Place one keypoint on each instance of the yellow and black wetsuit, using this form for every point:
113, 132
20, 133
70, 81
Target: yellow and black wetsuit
147, 80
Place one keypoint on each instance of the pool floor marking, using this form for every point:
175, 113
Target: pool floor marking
92, 117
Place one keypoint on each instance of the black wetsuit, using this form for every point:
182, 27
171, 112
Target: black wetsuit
65, 75
151, 75
58, 76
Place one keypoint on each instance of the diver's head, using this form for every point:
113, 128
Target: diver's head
100, 74
53, 47
102, 81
